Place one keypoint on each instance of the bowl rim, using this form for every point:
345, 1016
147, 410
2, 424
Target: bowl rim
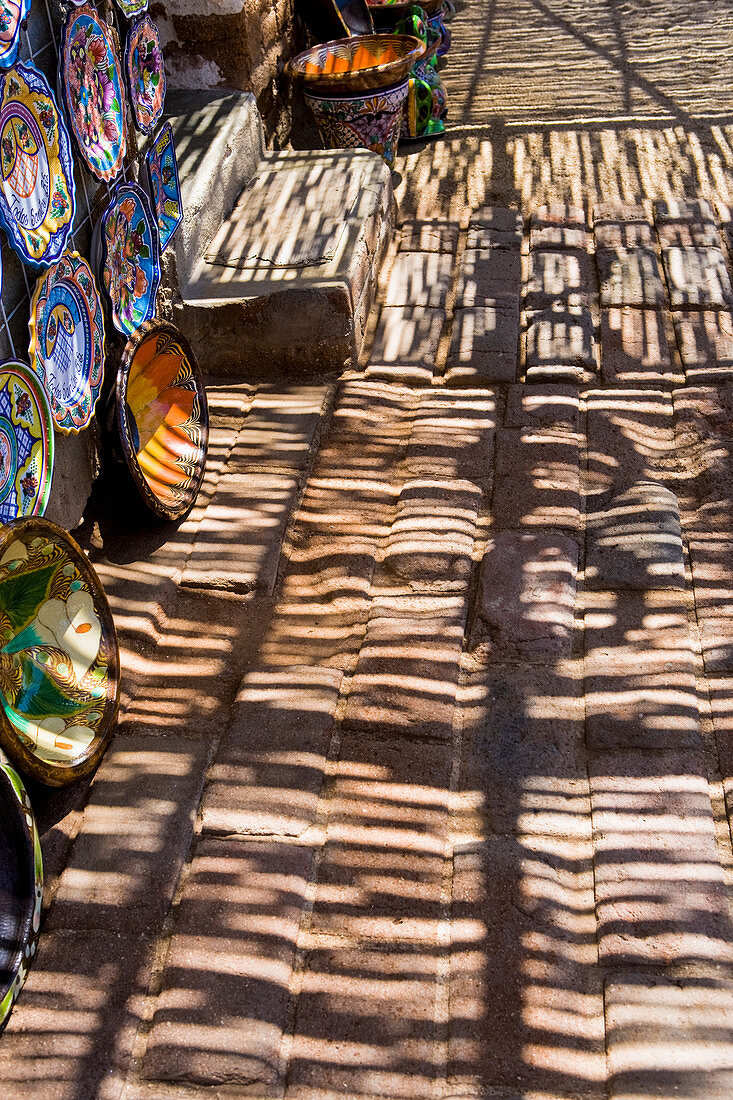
417, 48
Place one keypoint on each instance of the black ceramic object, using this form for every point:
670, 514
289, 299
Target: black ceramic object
327, 19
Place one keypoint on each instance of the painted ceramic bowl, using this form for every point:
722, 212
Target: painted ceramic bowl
370, 121
352, 66
26, 443
145, 74
130, 257
21, 886
59, 660
67, 340
163, 184
12, 14
163, 418
37, 195
93, 93
328, 19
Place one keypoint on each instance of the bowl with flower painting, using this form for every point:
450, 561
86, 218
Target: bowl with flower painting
130, 257
356, 65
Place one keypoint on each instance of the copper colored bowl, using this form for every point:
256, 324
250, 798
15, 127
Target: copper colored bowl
350, 66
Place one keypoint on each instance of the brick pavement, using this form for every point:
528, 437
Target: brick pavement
424, 774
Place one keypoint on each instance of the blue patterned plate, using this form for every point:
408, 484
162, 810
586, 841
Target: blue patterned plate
26, 443
145, 74
12, 14
164, 185
37, 197
130, 260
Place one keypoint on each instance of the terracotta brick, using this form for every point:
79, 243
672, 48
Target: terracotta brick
545, 406
223, 1004
561, 336
639, 673
279, 429
504, 224
557, 213
426, 236
630, 277
484, 341
133, 838
558, 226
704, 412
420, 279
523, 758
683, 210
408, 336
697, 277
660, 891
526, 598
537, 479
630, 439
485, 237
453, 434
636, 542
488, 276
669, 1036
691, 234
431, 541
705, 341
634, 348
382, 869
559, 277
407, 673
621, 212
612, 235
268, 773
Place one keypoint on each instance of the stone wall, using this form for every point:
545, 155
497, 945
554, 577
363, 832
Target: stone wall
240, 44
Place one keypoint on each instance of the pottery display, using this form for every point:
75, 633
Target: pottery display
145, 74
354, 66
59, 660
164, 185
435, 22
162, 418
26, 443
37, 200
130, 257
328, 19
370, 121
67, 340
92, 88
12, 15
21, 886
426, 104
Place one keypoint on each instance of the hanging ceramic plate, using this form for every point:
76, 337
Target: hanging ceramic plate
130, 261
163, 418
131, 8
67, 340
21, 886
164, 185
59, 661
12, 15
91, 84
36, 167
26, 443
145, 74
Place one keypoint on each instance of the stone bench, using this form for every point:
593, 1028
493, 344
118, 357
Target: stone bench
276, 263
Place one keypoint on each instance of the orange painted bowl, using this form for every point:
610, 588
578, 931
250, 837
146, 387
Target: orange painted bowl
163, 418
350, 66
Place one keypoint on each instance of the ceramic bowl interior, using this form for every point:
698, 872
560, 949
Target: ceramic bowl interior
17, 882
357, 64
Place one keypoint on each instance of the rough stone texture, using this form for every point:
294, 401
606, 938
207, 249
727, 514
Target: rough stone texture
558, 277
622, 235
630, 277
705, 340
495, 227
279, 429
559, 336
639, 672
488, 275
542, 407
420, 279
407, 673
424, 236
619, 213
669, 1036
223, 1004
697, 277
558, 225
537, 479
453, 433
484, 343
634, 349
688, 235
407, 336
630, 439
636, 542
684, 210
660, 889
431, 540
526, 598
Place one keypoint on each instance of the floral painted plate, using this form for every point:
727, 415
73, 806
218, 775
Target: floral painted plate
145, 74
21, 886
37, 200
12, 14
132, 8
26, 443
165, 187
130, 262
92, 89
67, 340
163, 418
59, 660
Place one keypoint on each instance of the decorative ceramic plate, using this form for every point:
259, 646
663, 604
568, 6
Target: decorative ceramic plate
91, 83
59, 661
26, 443
163, 418
36, 167
67, 340
130, 263
145, 74
165, 187
132, 8
21, 886
12, 14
